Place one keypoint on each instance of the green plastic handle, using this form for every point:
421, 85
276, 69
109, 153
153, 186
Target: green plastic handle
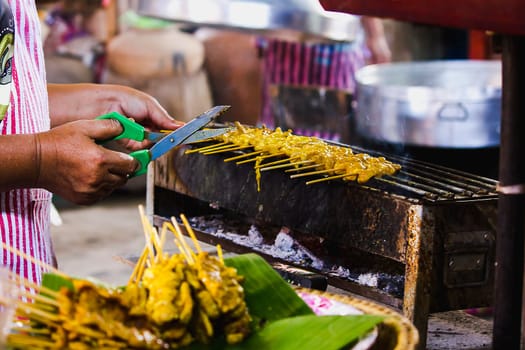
143, 157
131, 130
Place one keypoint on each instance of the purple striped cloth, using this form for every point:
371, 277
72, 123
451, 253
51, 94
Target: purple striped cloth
25, 213
331, 65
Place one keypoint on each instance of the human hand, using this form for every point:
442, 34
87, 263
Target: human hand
71, 164
143, 109
379, 50
376, 41
69, 102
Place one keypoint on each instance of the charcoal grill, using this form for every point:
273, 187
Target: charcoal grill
427, 233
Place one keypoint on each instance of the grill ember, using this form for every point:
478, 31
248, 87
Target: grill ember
302, 154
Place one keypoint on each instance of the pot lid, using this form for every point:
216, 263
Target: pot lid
306, 16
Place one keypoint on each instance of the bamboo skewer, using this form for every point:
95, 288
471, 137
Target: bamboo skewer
146, 228
307, 167
40, 298
256, 159
265, 168
29, 310
38, 288
277, 162
335, 177
260, 158
163, 234
142, 266
200, 149
217, 148
180, 238
35, 261
318, 172
236, 148
140, 262
191, 233
242, 156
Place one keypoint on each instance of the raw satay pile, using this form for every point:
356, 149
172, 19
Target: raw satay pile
300, 153
169, 302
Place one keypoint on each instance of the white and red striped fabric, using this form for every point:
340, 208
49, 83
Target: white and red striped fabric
331, 65
24, 213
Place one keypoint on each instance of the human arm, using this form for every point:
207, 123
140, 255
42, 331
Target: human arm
66, 161
376, 40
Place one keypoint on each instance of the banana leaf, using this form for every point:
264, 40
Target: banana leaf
268, 296
282, 320
56, 282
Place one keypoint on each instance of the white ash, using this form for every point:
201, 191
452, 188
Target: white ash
285, 247
368, 279
255, 236
284, 242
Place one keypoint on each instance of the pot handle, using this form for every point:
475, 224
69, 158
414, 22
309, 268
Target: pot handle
453, 112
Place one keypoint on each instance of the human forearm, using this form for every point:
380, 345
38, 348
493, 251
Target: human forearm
70, 102
66, 160
20, 159
372, 27
376, 40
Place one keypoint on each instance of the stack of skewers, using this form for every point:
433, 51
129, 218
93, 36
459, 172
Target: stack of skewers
169, 302
191, 299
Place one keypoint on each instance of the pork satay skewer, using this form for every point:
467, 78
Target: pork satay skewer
302, 168
276, 162
232, 148
243, 156
328, 178
318, 172
260, 157
265, 168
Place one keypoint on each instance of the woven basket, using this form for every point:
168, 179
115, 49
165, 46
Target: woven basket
396, 332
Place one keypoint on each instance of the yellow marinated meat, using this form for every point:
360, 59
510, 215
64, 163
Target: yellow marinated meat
97, 317
220, 282
134, 298
307, 151
176, 301
164, 282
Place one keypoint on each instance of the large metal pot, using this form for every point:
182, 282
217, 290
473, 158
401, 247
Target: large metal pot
450, 104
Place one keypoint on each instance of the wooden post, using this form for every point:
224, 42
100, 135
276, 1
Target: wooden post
508, 295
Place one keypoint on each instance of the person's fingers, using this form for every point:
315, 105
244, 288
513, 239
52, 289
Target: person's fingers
111, 182
101, 130
121, 164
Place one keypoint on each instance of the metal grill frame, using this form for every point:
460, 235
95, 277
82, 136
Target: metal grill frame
402, 218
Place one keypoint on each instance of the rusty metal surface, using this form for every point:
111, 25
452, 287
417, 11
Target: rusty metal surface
344, 213
227, 245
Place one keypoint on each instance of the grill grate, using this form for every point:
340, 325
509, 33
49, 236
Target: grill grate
416, 181
433, 183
